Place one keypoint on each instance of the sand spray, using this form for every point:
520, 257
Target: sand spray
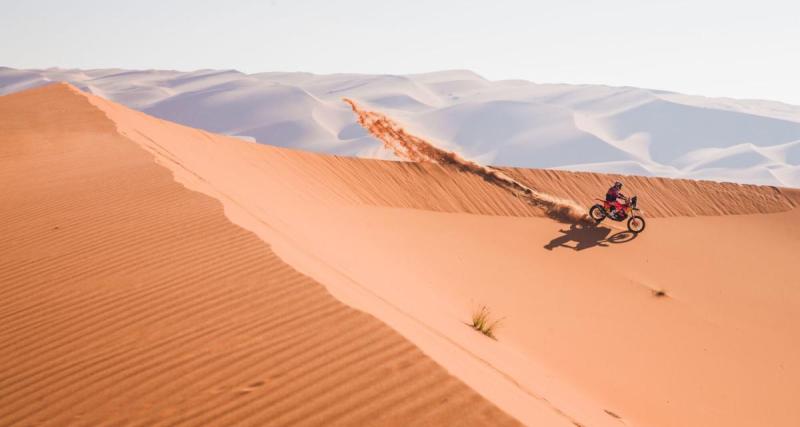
416, 149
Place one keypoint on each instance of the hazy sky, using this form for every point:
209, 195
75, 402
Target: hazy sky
744, 49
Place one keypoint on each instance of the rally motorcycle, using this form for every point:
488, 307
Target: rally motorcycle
622, 211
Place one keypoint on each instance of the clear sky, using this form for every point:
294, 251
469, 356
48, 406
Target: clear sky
743, 49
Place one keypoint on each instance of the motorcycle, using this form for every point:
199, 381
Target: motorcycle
624, 211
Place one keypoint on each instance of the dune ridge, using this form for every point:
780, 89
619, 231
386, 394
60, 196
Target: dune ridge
284, 182
128, 299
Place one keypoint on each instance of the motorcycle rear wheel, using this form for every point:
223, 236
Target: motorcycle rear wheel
597, 213
636, 224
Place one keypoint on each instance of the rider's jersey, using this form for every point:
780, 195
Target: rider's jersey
612, 195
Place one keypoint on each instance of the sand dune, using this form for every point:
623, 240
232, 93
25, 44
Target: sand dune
512, 123
128, 299
690, 323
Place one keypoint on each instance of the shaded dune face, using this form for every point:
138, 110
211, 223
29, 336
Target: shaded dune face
128, 298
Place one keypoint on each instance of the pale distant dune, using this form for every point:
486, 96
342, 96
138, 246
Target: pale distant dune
134, 299
506, 123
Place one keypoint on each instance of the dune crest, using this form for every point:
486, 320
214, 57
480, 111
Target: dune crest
416, 149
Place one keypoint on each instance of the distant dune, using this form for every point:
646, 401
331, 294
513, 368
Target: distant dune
510, 123
157, 273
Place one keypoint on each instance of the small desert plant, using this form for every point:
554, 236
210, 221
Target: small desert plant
482, 323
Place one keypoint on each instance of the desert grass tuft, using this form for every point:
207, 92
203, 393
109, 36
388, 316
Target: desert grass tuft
482, 323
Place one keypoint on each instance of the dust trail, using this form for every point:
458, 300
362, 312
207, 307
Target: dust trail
416, 149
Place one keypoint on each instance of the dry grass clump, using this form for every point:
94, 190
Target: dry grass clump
482, 323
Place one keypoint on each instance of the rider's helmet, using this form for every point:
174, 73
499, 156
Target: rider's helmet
618, 185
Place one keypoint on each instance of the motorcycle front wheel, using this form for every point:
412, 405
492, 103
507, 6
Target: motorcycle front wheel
597, 213
636, 224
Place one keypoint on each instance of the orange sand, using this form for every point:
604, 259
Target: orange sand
584, 340
128, 299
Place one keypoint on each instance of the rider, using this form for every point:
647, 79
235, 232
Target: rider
612, 195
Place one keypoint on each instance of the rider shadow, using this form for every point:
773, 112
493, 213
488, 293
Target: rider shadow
588, 236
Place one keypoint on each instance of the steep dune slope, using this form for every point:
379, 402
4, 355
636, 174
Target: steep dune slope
128, 299
686, 324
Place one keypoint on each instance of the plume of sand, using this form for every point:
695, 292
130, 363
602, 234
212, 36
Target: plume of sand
416, 149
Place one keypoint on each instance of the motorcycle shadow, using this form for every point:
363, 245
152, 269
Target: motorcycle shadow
588, 236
